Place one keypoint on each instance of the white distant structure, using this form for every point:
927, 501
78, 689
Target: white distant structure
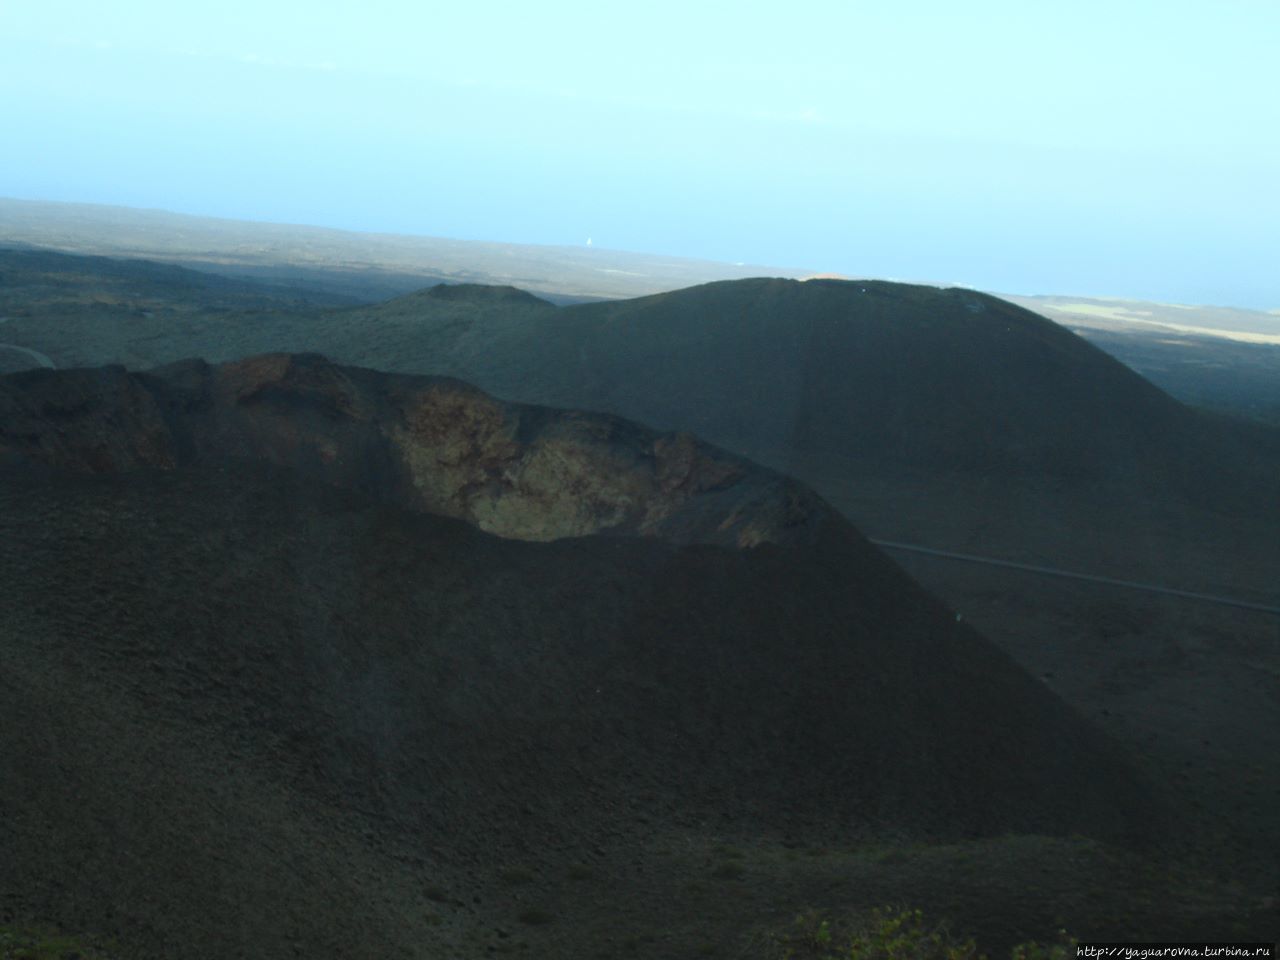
588, 241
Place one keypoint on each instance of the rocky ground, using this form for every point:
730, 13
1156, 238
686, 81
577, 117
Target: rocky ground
262, 705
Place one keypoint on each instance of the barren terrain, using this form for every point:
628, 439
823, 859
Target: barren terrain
1048, 462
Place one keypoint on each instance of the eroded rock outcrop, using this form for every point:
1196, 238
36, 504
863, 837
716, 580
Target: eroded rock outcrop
431, 444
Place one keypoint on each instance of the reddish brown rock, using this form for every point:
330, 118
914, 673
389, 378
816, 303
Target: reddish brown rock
431, 444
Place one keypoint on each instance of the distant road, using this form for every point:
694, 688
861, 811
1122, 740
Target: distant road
35, 355
1069, 575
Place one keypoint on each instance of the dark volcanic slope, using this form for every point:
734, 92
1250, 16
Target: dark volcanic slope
860, 370
822, 378
918, 375
942, 417
246, 708
829, 380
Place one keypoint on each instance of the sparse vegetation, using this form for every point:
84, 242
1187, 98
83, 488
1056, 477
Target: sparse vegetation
897, 933
40, 943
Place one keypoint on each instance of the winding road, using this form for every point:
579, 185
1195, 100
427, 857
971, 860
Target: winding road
35, 355
1070, 575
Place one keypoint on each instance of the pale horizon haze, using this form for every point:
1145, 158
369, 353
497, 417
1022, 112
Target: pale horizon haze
1120, 149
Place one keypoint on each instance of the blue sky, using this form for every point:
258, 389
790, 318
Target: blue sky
1120, 148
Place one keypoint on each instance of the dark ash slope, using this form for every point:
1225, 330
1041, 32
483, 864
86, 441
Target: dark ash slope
248, 712
925, 378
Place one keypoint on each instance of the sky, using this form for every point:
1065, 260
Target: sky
1125, 148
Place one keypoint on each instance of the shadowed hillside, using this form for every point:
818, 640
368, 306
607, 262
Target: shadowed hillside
868, 373
936, 379
247, 706
943, 417
940, 416
815, 375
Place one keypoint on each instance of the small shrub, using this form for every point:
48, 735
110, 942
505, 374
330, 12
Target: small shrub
1063, 948
810, 936
902, 935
